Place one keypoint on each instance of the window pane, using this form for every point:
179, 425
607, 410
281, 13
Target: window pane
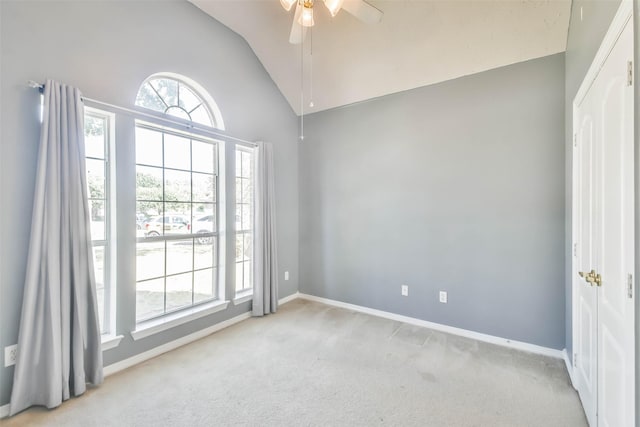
248, 246
178, 112
146, 213
149, 260
149, 299
98, 266
200, 115
204, 254
179, 256
148, 183
248, 275
177, 152
148, 98
177, 186
203, 187
247, 191
247, 217
148, 147
187, 99
203, 157
96, 208
204, 284
96, 178
239, 276
238, 217
247, 164
204, 224
179, 222
239, 186
167, 89
154, 226
94, 136
239, 247
179, 291
203, 211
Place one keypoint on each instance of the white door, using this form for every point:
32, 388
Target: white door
615, 261
604, 238
585, 299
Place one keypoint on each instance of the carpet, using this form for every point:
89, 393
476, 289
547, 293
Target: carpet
315, 365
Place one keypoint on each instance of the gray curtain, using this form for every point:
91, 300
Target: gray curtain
265, 286
59, 339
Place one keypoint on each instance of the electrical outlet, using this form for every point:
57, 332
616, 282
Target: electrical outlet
443, 297
286, 275
10, 355
404, 290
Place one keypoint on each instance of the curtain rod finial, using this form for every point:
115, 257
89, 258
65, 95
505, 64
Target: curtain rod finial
35, 85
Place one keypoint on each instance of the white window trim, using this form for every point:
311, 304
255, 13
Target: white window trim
154, 326
168, 320
110, 245
244, 296
110, 341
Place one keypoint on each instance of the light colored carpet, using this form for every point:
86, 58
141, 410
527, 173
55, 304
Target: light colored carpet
315, 365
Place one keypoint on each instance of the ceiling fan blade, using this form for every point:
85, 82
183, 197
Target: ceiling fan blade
363, 11
297, 30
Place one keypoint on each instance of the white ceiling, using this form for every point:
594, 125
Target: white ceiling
418, 42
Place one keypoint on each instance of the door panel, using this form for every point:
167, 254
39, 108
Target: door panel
604, 233
612, 397
586, 294
615, 184
586, 346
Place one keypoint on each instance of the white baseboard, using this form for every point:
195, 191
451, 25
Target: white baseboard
567, 362
289, 298
518, 345
4, 411
157, 351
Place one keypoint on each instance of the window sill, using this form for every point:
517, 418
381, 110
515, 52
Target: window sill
243, 297
110, 341
152, 327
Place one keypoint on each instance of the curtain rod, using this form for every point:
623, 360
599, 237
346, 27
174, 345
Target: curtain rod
40, 87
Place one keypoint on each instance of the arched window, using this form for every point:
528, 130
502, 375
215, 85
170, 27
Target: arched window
181, 97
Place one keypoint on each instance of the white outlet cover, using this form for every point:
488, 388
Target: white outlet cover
286, 275
404, 290
443, 297
10, 354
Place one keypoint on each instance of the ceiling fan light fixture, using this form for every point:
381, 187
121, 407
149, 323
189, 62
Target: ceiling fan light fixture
288, 4
334, 6
306, 18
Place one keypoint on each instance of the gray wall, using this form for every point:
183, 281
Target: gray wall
583, 41
107, 49
457, 186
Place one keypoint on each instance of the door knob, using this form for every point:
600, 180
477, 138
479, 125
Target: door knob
597, 279
591, 277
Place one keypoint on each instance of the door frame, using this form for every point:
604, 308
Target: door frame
622, 17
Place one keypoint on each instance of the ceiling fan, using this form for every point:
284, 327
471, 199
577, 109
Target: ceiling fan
303, 17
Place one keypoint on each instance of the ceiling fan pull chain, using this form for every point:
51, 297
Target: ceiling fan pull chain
311, 69
302, 90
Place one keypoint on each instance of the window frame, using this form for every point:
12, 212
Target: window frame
122, 223
108, 321
205, 98
218, 290
245, 293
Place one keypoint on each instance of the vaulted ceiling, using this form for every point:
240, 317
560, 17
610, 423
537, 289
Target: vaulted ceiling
417, 43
